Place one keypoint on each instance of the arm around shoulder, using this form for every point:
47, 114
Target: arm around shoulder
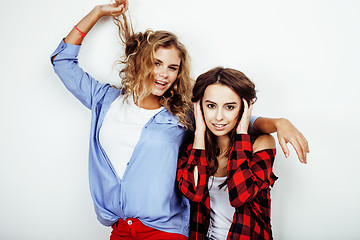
265, 141
286, 133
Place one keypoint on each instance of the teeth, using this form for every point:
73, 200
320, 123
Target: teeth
219, 125
161, 83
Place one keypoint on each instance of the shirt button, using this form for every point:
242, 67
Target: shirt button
129, 222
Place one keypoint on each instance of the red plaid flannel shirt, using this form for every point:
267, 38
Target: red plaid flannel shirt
248, 180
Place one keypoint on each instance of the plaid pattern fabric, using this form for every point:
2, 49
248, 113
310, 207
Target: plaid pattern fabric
248, 180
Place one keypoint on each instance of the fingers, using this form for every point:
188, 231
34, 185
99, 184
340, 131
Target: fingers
197, 109
243, 125
247, 108
250, 109
120, 6
126, 5
199, 120
300, 153
302, 148
246, 105
305, 143
283, 146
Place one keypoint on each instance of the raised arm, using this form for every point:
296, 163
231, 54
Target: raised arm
85, 25
77, 34
192, 174
286, 132
65, 62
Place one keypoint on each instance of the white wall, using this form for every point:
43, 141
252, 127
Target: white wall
303, 56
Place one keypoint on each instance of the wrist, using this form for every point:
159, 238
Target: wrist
199, 140
242, 128
280, 122
241, 132
98, 11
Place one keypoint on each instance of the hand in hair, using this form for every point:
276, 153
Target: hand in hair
114, 9
199, 139
76, 35
243, 126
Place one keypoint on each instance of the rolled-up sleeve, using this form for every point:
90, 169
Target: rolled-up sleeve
66, 65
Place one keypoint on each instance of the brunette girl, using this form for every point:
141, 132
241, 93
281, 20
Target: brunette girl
137, 130
224, 171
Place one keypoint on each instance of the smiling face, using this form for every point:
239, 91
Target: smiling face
221, 107
166, 69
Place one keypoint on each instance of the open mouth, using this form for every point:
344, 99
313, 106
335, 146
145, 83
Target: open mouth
160, 83
219, 126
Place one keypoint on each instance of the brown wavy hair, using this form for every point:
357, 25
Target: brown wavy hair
242, 86
139, 63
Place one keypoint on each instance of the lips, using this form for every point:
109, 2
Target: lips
219, 127
160, 84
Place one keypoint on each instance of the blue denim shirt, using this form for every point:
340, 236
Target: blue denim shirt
147, 190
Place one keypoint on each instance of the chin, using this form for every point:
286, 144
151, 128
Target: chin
157, 93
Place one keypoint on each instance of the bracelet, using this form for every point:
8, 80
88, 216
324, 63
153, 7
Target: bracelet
82, 34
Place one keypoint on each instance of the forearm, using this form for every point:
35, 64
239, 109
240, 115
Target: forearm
192, 182
248, 172
85, 25
199, 140
268, 125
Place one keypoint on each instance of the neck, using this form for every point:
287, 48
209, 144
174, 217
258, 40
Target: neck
223, 142
150, 102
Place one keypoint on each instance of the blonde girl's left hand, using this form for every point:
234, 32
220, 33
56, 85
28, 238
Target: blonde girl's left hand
114, 9
243, 126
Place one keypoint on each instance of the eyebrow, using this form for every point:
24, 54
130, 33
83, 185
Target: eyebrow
171, 65
209, 101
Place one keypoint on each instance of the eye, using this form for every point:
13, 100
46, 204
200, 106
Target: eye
230, 107
173, 69
210, 105
157, 64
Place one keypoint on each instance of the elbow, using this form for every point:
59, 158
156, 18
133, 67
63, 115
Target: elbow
190, 193
238, 202
240, 198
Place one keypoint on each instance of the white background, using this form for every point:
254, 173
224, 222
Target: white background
302, 55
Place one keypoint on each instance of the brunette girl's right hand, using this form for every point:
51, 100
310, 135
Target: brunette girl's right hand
199, 139
199, 119
114, 9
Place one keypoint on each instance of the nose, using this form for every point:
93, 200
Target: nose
163, 72
219, 114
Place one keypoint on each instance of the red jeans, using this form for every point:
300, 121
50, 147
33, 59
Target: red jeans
134, 229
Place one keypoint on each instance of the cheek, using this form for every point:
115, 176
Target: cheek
234, 117
155, 71
173, 76
207, 117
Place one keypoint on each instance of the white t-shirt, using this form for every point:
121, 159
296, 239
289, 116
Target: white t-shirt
221, 212
121, 130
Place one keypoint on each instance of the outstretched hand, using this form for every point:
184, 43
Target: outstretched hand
245, 119
288, 133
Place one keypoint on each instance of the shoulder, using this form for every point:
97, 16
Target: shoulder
265, 141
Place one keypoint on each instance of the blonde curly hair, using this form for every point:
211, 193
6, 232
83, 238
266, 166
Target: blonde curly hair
139, 66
